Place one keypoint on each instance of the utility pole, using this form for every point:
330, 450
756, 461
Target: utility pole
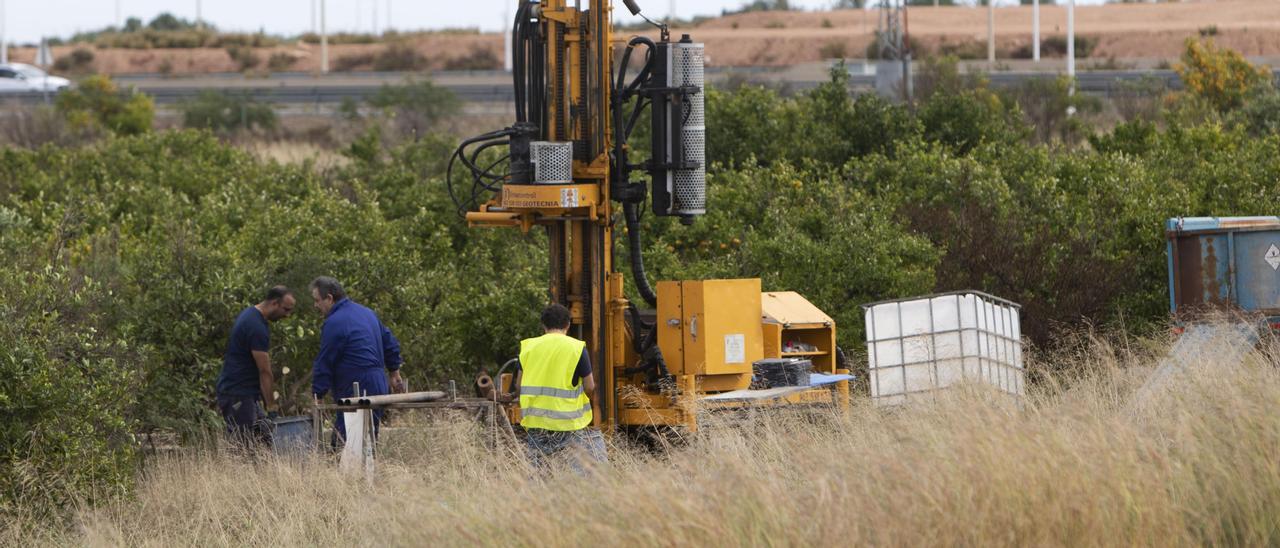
1035, 31
4, 36
324, 41
389, 19
315, 28
671, 11
1071, 45
991, 34
358, 13
907, 89
199, 16
375, 16
119, 22
505, 29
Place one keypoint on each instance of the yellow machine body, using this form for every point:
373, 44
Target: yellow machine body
711, 329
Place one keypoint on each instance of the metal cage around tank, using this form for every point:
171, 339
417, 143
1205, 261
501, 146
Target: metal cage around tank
988, 338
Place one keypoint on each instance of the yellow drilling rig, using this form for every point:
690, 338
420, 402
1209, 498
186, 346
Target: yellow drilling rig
564, 167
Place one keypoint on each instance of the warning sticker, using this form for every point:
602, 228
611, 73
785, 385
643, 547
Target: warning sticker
735, 349
568, 197
1273, 257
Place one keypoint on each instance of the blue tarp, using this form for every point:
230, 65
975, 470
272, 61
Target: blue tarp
818, 379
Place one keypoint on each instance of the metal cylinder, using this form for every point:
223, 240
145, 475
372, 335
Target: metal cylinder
689, 185
552, 162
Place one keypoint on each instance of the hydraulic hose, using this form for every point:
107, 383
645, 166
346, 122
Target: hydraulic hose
637, 259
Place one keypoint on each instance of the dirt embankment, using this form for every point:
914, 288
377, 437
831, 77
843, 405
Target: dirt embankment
1119, 31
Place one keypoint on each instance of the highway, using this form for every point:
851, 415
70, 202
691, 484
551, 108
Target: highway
495, 86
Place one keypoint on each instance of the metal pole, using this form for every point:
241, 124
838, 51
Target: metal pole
906, 55
1035, 30
1071, 45
199, 15
4, 36
505, 29
324, 40
991, 34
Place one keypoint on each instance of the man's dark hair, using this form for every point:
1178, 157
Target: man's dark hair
276, 293
555, 316
325, 285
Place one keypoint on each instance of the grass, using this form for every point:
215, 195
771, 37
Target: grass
1080, 462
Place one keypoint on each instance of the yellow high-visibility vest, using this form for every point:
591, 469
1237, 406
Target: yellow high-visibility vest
549, 399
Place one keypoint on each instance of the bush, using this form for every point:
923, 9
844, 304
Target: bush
226, 112
479, 58
66, 387
966, 119
829, 241
1220, 76
97, 104
399, 57
78, 61
416, 107
245, 58
281, 61
1046, 102
1056, 46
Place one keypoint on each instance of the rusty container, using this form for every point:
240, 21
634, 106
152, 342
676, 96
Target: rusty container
1224, 263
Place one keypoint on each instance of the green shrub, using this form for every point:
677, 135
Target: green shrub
66, 391
966, 119
829, 241
219, 111
96, 103
416, 107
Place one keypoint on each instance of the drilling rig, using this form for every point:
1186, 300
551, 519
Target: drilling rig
564, 166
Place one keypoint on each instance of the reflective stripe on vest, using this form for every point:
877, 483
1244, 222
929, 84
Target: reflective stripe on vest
550, 398
553, 392
559, 415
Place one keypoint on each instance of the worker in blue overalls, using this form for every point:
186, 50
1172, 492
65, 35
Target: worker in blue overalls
354, 348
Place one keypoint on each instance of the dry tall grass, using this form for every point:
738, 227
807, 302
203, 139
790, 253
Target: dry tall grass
1078, 464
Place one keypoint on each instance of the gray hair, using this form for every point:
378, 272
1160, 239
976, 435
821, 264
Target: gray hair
325, 285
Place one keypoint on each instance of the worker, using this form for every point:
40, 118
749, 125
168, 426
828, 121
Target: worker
246, 389
355, 347
555, 384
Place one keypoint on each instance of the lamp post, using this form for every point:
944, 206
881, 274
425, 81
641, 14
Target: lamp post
324, 41
1035, 31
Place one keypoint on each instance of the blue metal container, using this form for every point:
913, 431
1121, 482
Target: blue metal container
294, 436
1230, 263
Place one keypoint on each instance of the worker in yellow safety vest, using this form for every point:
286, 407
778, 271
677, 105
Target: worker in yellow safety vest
555, 383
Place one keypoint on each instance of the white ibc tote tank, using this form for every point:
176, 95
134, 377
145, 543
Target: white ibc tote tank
922, 344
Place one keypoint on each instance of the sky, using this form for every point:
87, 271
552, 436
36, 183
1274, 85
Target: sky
26, 21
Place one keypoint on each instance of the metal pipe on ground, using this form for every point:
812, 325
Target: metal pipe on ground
411, 397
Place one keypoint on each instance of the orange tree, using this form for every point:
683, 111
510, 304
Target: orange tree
1220, 76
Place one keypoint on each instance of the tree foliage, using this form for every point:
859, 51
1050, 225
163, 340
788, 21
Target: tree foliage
96, 104
1220, 76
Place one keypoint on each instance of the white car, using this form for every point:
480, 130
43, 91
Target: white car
16, 77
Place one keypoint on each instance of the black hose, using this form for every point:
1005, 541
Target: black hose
637, 259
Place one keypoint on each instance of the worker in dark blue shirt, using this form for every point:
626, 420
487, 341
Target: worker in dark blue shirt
354, 348
246, 390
